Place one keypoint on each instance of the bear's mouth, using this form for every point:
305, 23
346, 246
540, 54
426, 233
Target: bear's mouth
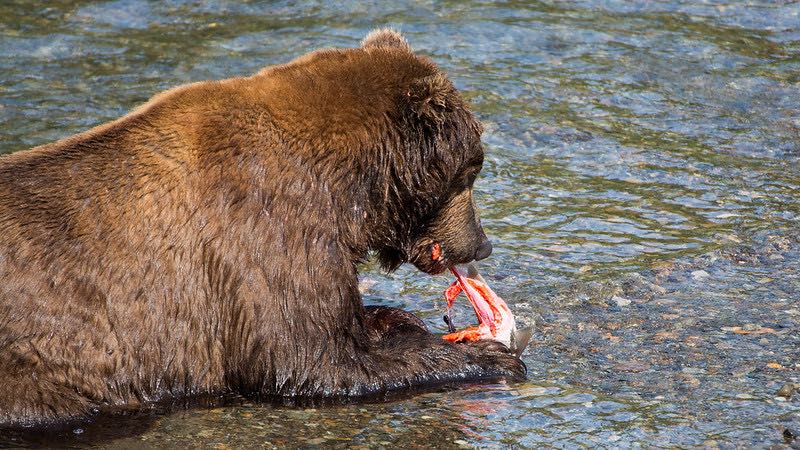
434, 258
428, 256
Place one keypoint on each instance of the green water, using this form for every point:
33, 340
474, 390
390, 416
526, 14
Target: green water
641, 189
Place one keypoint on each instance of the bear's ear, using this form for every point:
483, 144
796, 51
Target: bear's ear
385, 37
429, 96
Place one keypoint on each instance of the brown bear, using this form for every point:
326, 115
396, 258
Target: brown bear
208, 241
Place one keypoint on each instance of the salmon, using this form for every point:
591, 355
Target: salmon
495, 320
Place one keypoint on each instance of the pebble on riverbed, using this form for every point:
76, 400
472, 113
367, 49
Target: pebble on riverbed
620, 301
786, 390
700, 275
789, 436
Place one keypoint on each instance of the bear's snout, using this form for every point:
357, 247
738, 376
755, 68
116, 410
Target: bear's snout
484, 249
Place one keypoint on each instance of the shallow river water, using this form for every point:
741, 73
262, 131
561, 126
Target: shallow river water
642, 190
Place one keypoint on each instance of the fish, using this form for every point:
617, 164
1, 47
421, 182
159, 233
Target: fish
495, 320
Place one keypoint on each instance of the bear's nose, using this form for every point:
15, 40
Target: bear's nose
483, 251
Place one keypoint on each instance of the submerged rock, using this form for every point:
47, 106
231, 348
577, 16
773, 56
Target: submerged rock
700, 275
786, 390
621, 301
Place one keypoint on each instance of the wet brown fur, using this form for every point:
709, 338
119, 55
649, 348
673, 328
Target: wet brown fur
208, 241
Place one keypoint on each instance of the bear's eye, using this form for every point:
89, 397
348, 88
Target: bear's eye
469, 177
470, 172
473, 175
474, 167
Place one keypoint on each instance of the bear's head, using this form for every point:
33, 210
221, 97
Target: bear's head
432, 216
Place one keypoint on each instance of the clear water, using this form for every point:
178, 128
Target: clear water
642, 189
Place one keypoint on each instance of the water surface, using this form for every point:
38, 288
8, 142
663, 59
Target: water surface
641, 188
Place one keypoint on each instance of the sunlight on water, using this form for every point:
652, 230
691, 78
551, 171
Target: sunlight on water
641, 189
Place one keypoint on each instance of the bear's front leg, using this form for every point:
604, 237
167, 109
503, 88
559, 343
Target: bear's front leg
404, 354
322, 342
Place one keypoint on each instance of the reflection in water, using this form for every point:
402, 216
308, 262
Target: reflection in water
641, 188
